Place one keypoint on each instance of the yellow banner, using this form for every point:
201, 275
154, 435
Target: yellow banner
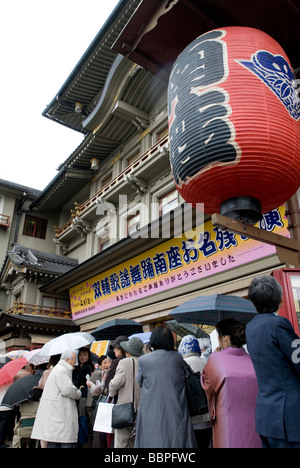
100, 347
196, 255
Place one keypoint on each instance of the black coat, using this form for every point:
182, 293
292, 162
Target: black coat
272, 344
79, 377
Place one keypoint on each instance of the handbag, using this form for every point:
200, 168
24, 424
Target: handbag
124, 415
103, 418
35, 394
196, 396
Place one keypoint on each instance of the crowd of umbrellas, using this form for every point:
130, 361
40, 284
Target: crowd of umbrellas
204, 310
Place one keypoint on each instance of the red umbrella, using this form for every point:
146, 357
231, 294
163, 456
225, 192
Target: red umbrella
10, 370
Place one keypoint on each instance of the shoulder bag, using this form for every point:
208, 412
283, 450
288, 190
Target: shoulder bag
196, 396
124, 415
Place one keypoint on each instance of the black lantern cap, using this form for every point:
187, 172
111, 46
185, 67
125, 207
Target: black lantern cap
244, 209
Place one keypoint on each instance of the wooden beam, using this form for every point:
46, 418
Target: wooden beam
288, 250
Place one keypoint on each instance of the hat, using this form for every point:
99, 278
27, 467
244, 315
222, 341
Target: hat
134, 346
189, 345
117, 341
111, 354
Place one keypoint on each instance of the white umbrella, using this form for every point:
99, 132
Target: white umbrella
69, 341
36, 357
145, 337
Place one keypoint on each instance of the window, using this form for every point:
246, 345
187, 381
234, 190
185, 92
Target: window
107, 180
35, 227
133, 158
2, 199
163, 133
168, 202
133, 224
18, 297
104, 244
55, 303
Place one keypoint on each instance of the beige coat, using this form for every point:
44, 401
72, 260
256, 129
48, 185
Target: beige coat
57, 416
122, 385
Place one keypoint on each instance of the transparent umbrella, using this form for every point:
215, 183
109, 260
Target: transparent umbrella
36, 357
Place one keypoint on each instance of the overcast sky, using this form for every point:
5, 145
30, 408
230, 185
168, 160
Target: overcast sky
41, 43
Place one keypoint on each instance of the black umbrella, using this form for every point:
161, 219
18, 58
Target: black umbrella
209, 310
19, 391
117, 327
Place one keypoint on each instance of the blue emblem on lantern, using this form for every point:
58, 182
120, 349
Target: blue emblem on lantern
276, 73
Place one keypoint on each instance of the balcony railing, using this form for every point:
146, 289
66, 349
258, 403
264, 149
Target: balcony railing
80, 209
4, 221
30, 309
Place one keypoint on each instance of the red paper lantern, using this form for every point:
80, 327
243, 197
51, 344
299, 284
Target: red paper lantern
234, 124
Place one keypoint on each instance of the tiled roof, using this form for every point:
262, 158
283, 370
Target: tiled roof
42, 262
49, 324
20, 188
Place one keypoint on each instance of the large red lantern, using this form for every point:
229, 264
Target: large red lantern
234, 124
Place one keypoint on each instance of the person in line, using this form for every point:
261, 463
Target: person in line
190, 350
119, 355
8, 415
96, 383
27, 413
84, 368
122, 385
95, 388
43, 380
52, 363
57, 417
230, 384
272, 344
206, 349
163, 419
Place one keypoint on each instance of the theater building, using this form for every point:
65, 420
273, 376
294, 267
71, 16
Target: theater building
126, 268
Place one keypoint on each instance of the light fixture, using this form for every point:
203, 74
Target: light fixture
95, 164
78, 107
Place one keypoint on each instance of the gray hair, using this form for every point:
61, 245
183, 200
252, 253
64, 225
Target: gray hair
67, 355
266, 294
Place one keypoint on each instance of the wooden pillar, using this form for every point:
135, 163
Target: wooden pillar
293, 215
288, 250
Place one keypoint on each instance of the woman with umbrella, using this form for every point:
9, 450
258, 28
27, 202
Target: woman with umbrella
8, 414
230, 384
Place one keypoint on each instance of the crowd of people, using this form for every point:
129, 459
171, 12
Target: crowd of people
252, 392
